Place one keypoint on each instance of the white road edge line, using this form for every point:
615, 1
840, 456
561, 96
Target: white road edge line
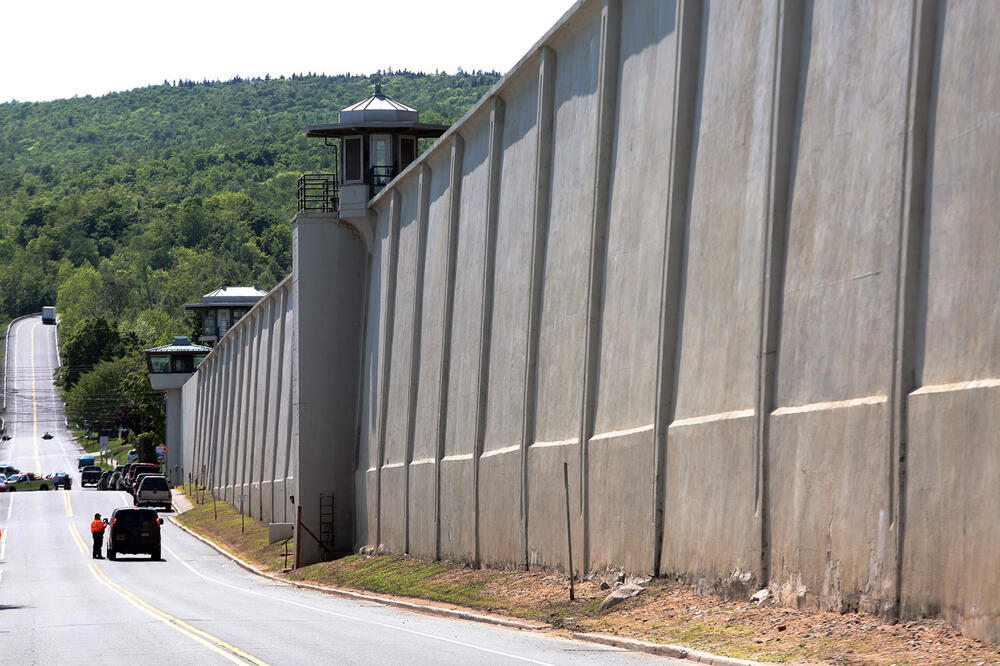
355, 619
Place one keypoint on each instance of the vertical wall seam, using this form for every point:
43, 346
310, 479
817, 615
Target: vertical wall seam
213, 419
607, 110
245, 438
686, 75
199, 422
386, 365
236, 426
222, 414
454, 211
545, 113
494, 168
254, 387
923, 47
267, 404
423, 212
277, 400
785, 92
290, 394
359, 399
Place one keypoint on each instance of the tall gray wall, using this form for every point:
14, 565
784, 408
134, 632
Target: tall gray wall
727, 264
242, 416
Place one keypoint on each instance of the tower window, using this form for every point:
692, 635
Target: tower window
352, 159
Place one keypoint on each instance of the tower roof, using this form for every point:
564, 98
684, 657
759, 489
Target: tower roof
378, 106
377, 113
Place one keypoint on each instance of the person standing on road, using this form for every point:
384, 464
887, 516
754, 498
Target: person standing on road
97, 531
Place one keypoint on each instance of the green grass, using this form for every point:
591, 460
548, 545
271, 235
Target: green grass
221, 523
402, 576
118, 447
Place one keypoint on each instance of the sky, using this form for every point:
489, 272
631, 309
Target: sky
53, 49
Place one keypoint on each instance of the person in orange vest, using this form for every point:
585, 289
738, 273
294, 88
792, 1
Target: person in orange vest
97, 531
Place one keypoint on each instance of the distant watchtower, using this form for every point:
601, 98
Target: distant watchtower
378, 139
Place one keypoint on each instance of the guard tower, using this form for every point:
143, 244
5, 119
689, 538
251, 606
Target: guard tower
378, 139
169, 367
219, 310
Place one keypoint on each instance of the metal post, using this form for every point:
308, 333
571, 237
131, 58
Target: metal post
569, 536
298, 529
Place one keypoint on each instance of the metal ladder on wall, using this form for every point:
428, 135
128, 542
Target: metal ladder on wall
326, 525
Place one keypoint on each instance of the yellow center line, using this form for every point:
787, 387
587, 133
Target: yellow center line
215, 644
69, 506
76, 537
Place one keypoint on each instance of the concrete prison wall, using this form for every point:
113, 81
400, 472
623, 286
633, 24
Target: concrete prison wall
730, 262
243, 417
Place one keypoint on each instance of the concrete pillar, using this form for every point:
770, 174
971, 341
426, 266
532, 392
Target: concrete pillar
908, 271
257, 444
278, 396
329, 261
423, 211
265, 406
788, 56
495, 166
175, 430
214, 419
247, 391
236, 442
386, 362
539, 239
454, 210
686, 69
199, 421
221, 414
607, 110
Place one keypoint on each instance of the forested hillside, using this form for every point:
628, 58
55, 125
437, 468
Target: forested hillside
120, 209
131, 204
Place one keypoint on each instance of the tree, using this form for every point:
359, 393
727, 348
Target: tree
145, 447
91, 340
81, 295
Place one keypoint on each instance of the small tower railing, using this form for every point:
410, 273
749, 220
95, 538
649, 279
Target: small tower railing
318, 192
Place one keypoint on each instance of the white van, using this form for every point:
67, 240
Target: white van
153, 490
132, 456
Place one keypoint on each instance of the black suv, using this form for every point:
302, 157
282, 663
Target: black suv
90, 475
134, 532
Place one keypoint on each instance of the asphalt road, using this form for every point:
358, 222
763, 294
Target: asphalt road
58, 605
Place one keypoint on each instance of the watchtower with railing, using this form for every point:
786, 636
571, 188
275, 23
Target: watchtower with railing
377, 138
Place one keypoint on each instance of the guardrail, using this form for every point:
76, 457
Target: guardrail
318, 192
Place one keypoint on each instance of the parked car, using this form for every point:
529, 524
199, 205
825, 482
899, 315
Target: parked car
90, 476
61, 480
27, 481
115, 481
135, 470
84, 461
153, 490
102, 483
134, 532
